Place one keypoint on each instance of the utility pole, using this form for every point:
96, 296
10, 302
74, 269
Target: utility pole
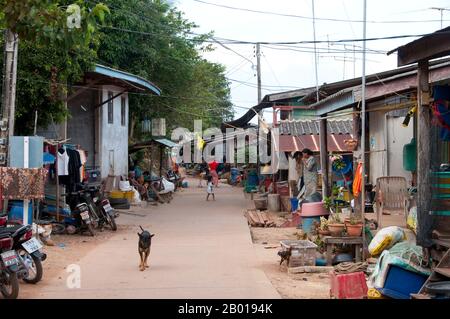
258, 79
441, 10
315, 51
258, 70
363, 115
9, 93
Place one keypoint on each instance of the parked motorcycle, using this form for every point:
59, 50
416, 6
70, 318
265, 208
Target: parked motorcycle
9, 261
85, 218
102, 206
173, 178
28, 250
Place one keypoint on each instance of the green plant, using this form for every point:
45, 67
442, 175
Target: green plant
335, 218
328, 202
323, 223
354, 220
335, 190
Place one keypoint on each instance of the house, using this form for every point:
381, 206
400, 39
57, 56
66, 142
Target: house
99, 118
431, 132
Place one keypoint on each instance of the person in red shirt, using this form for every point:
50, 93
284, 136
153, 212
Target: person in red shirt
213, 172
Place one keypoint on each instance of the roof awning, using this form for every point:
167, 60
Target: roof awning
151, 143
166, 142
336, 142
103, 75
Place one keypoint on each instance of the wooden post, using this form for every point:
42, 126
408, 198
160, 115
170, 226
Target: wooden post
57, 183
160, 160
323, 135
424, 219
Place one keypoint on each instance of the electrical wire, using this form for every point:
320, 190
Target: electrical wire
234, 41
311, 18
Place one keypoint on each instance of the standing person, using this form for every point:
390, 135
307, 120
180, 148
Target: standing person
209, 188
310, 174
202, 172
213, 172
295, 173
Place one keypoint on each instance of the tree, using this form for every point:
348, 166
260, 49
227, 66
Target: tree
163, 49
53, 51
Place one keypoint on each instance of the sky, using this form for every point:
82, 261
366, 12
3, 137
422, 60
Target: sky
283, 70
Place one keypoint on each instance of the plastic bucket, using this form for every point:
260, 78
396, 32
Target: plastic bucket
294, 204
308, 223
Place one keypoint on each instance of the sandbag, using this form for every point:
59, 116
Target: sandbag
385, 239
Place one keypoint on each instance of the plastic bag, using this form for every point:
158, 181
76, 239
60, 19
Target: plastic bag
385, 239
412, 219
168, 186
125, 186
136, 196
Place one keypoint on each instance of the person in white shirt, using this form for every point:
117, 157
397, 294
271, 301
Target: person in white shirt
209, 188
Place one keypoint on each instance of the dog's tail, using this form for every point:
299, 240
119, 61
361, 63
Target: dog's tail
141, 228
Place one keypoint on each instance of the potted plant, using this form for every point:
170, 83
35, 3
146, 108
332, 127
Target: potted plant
335, 225
354, 227
323, 228
328, 203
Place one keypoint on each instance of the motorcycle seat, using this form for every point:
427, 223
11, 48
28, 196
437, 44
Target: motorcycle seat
7, 231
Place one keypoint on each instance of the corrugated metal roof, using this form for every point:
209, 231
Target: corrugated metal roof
166, 142
125, 76
298, 128
335, 143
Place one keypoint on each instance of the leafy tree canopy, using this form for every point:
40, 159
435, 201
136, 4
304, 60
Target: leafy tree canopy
149, 38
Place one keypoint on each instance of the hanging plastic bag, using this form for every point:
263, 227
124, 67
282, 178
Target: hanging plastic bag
412, 219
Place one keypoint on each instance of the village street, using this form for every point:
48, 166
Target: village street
200, 250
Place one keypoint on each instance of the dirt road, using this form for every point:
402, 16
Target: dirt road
201, 250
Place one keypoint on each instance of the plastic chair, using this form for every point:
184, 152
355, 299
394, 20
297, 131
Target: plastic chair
391, 197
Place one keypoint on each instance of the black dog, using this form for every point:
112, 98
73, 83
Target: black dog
145, 243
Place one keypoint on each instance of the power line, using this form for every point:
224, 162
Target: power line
310, 18
266, 85
233, 41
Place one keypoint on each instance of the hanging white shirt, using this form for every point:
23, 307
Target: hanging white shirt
63, 164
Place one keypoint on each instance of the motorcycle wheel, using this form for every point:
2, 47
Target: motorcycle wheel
112, 222
58, 228
9, 285
35, 271
90, 229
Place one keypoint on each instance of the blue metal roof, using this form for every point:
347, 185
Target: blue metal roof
104, 70
166, 142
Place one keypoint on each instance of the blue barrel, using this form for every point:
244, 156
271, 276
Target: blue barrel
16, 211
294, 204
308, 223
234, 174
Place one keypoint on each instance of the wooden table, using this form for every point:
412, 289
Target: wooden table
331, 241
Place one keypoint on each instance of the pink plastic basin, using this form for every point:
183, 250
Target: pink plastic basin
314, 209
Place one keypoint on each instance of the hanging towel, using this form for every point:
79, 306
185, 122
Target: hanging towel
357, 181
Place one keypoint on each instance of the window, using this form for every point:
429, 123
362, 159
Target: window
123, 113
110, 108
